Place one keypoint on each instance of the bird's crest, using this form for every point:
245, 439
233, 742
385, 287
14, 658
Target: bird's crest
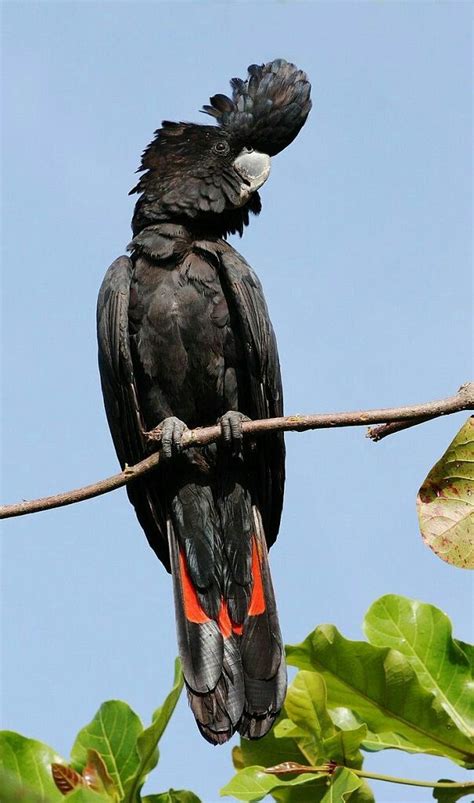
268, 109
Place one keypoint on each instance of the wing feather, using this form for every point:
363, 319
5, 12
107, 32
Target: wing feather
266, 389
121, 399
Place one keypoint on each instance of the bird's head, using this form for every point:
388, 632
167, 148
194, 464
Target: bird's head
210, 175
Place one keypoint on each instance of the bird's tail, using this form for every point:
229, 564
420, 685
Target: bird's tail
230, 644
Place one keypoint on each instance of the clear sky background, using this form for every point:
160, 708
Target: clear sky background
363, 248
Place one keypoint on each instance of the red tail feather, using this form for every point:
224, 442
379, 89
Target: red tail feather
257, 601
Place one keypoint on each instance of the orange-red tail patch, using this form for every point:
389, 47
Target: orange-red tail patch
193, 609
257, 600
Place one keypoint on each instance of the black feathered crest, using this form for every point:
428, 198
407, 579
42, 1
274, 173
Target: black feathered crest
267, 110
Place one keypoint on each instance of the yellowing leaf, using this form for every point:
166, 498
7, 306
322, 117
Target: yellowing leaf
445, 502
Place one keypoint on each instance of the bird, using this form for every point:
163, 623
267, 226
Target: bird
185, 340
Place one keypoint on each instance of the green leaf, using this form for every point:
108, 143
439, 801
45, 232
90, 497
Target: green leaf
173, 796
344, 786
305, 705
147, 742
14, 791
254, 784
468, 650
270, 751
149, 738
300, 794
343, 747
27, 763
309, 720
451, 795
388, 740
84, 795
423, 634
445, 502
363, 794
381, 687
267, 752
345, 719
286, 729
113, 733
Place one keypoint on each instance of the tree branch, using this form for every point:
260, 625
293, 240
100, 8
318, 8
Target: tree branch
394, 417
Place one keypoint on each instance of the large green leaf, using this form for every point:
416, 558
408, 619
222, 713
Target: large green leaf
26, 765
85, 795
345, 719
303, 794
12, 790
173, 796
305, 705
445, 502
343, 747
344, 785
147, 742
253, 784
423, 634
113, 733
381, 687
309, 722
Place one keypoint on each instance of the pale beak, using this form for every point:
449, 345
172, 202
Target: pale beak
254, 168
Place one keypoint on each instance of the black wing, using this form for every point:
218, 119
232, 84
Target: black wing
266, 391
121, 398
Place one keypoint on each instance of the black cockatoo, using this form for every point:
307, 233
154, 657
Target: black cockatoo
185, 340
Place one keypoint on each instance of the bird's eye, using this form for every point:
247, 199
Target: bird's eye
222, 148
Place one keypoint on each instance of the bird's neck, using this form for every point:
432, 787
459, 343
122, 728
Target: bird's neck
150, 212
168, 239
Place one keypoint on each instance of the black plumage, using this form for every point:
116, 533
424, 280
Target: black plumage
185, 340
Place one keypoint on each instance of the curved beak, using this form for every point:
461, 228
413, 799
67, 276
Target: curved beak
254, 168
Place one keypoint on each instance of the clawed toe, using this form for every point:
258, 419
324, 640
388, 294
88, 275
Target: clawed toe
172, 430
231, 425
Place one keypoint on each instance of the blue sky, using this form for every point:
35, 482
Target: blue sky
363, 248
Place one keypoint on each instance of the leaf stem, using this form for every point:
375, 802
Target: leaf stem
330, 767
374, 776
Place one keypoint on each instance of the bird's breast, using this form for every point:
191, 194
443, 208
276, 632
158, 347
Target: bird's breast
185, 340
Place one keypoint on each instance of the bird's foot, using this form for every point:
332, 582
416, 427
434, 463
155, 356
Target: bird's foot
231, 426
171, 432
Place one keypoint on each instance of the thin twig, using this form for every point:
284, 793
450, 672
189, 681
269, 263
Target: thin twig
377, 433
202, 436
